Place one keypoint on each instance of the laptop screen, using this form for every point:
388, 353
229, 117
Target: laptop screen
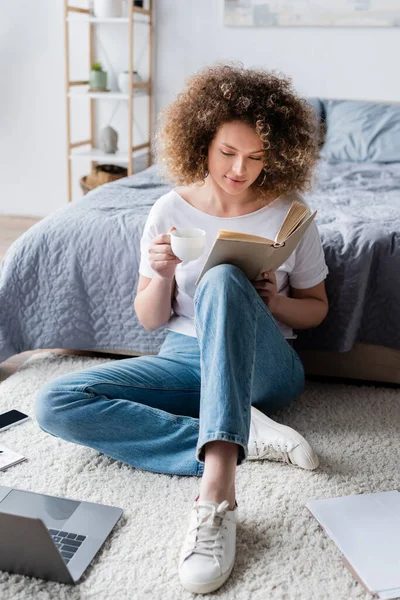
52, 511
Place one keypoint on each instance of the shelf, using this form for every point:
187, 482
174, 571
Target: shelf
98, 20
141, 11
107, 95
89, 19
96, 154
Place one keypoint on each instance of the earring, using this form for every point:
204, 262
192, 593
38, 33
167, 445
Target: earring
264, 178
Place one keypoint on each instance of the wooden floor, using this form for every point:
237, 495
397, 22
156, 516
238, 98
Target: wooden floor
11, 228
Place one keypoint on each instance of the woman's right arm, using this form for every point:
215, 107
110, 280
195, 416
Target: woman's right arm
153, 302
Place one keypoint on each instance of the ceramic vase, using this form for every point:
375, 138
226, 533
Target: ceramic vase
123, 80
108, 140
106, 9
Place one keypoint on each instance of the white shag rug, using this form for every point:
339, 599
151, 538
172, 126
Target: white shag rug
282, 553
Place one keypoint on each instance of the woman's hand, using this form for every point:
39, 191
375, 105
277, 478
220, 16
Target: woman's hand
267, 289
162, 260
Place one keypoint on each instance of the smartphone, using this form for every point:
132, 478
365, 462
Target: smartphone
12, 417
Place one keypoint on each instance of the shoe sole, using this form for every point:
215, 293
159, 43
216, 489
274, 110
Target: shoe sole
312, 458
206, 588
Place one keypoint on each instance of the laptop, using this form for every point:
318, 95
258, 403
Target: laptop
50, 537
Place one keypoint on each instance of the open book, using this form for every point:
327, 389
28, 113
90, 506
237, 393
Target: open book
9, 458
254, 254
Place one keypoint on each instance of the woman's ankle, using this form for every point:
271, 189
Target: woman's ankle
217, 493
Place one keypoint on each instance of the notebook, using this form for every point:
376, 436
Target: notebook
366, 529
8, 458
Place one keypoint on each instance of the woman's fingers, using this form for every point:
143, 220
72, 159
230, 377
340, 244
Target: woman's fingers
270, 276
162, 238
166, 263
164, 256
264, 289
263, 285
161, 249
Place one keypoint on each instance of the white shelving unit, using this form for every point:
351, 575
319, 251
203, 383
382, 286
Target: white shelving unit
80, 149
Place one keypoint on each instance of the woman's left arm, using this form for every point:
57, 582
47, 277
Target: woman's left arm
305, 308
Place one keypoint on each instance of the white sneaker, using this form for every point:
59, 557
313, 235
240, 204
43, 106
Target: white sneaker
208, 553
273, 441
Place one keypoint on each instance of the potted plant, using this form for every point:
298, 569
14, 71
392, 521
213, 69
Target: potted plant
98, 77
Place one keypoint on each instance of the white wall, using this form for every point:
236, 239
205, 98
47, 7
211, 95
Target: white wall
33, 133
341, 63
32, 115
328, 62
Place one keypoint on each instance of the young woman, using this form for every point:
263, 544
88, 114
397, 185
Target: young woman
241, 144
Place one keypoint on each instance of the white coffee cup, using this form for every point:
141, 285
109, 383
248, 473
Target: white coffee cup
188, 243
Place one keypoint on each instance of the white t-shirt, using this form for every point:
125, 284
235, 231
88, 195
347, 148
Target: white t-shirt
304, 268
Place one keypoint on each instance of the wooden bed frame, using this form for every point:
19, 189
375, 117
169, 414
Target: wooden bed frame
364, 362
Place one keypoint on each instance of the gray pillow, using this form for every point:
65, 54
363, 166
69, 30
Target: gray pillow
361, 131
318, 107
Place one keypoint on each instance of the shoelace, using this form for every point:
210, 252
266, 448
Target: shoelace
207, 530
273, 450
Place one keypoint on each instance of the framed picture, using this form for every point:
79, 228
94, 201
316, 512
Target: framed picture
314, 13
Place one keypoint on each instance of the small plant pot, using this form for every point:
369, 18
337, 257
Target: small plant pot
98, 80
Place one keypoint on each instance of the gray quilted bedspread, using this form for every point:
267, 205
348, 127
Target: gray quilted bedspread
70, 280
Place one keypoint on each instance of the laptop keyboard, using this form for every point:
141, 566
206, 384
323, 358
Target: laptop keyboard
67, 543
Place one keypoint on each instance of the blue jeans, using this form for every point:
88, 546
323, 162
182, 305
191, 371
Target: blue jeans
157, 412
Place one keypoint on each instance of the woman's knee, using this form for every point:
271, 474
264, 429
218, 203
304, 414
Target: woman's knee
222, 274
53, 404
43, 408
222, 277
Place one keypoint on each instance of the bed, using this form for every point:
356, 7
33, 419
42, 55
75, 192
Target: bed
70, 280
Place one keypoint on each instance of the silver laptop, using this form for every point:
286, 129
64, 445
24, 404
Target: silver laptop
49, 537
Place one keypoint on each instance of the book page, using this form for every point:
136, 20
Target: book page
238, 236
296, 213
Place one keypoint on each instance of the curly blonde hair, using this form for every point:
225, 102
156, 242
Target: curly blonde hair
285, 122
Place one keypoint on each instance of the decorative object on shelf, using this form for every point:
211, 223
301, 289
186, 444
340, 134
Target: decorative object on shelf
100, 175
108, 140
107, 9
138, 3
98, 78
123, 80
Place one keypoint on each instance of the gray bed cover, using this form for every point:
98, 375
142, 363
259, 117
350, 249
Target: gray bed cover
70, 280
